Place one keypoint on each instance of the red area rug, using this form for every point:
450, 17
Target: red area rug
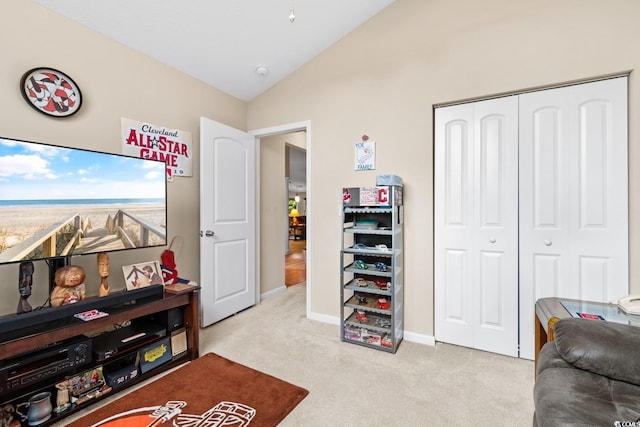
209, 391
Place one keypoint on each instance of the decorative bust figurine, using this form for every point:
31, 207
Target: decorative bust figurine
103, 271
70, 287
25, 282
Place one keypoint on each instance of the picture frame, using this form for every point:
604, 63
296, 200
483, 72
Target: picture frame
365, 155
142, 274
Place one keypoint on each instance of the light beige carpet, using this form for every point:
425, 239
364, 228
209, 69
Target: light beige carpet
350, 385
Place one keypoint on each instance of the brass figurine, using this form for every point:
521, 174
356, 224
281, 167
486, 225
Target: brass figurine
70, 286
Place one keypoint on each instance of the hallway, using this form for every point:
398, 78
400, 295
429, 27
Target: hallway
295, 264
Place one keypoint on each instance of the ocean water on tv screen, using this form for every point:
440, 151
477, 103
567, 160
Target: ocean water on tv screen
71, 202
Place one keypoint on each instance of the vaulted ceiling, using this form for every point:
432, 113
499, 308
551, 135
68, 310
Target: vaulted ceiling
224, 42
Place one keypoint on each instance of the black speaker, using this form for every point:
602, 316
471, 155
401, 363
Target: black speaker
172, 319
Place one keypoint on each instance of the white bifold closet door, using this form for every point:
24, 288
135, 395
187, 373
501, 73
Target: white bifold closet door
530, 202
476, 225
573, 197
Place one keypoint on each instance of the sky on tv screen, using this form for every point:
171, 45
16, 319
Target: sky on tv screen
33, 171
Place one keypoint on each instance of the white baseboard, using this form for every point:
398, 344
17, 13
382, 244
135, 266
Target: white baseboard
324, 318
409, 336
419, 338
273, 293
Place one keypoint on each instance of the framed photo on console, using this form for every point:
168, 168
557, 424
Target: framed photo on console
144, 274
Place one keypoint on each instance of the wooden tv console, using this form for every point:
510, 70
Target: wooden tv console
24, 345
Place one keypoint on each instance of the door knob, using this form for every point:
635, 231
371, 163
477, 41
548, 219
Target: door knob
208, 233
547, 242
492, 240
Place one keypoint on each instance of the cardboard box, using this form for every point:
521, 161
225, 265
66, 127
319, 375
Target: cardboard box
178, 343
383, 196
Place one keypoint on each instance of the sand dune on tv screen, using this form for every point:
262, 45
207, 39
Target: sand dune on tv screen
18, 224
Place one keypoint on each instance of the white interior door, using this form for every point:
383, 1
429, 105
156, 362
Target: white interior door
476, 224
573, 196
227, 221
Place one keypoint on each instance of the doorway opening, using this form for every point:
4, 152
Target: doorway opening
273, 219
295, 267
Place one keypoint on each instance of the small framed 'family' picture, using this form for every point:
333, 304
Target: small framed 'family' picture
143, 274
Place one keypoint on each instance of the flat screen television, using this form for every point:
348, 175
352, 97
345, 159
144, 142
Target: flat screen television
58, 202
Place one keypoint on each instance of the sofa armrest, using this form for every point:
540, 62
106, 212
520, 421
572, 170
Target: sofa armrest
604, 348
549, 358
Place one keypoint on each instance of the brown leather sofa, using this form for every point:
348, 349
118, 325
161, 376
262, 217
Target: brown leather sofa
589, 376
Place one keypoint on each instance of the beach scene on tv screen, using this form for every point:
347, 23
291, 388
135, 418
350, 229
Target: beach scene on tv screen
57, 201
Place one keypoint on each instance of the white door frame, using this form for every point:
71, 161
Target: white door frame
304, 126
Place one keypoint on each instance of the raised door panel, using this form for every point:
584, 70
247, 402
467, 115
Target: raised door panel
594, 145
456, 162
229, 260
456, 287
542, 149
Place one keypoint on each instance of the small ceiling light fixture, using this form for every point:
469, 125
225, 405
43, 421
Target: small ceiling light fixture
292, 15
262, 70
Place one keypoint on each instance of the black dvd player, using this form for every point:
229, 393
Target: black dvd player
140, 332
45, 363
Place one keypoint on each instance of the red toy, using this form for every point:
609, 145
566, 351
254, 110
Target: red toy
362, 318
168, 267
383, 303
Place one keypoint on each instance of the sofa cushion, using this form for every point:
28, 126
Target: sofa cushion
573, 397
604, 348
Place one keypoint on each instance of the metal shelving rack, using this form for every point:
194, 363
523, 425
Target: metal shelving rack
371, 267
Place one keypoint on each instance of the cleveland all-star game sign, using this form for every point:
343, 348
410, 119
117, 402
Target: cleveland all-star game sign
147, 141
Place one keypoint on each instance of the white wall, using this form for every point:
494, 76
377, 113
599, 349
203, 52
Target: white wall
383, 80
273, 213
115, 82
274, 222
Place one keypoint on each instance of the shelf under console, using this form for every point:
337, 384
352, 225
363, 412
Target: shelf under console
29, 323
12, 344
